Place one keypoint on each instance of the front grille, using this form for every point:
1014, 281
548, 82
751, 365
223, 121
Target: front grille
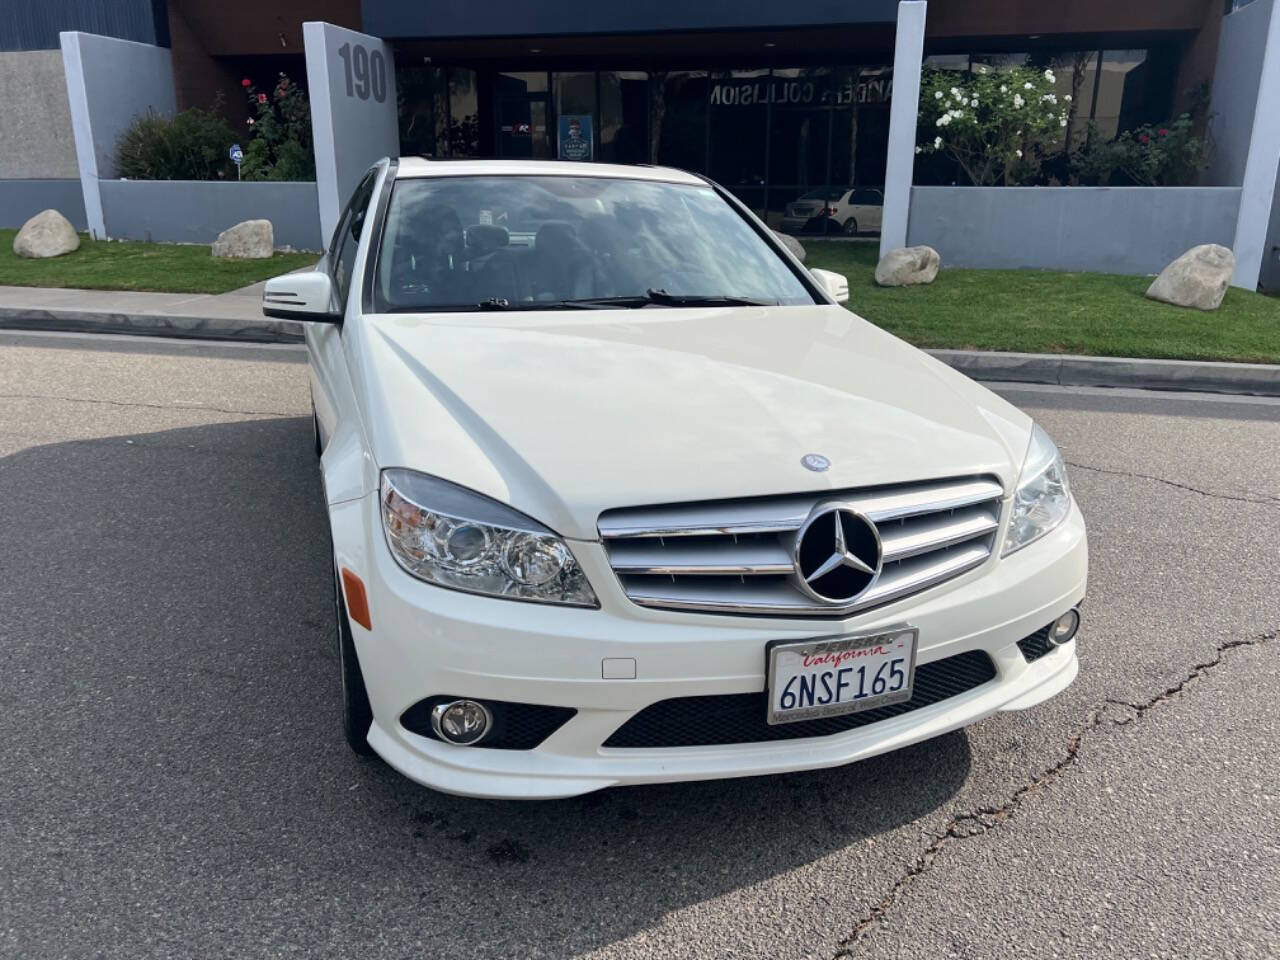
516, 726
1036, 645
734, 556
740, 717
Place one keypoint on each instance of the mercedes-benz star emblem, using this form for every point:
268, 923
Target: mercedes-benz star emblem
837, 554
815, 462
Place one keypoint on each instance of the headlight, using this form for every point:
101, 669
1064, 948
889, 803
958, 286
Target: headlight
1043, 498
453, 537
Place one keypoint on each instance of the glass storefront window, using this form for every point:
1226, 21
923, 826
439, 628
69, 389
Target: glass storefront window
955, 62
799, 145
999, 61
801, 127
575, 92
1076, 73
523, 116
1134, 87
1116, 67
828, 151
574, 135
464, 114
517, 83
739, 122
678, 119
423, 110
624, 116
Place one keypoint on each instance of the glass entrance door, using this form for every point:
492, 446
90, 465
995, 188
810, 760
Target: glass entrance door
522, 129
523, 114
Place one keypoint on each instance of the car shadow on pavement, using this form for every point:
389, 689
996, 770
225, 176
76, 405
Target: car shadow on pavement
172, 738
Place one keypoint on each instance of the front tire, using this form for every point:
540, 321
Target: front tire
357, 714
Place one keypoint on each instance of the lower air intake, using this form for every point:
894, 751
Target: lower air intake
1036, 645
740, 717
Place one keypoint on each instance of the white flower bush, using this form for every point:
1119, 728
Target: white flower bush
996, 124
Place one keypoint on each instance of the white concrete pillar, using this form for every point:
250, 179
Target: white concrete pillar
352, 81
110, 82
1258, 190
908, 56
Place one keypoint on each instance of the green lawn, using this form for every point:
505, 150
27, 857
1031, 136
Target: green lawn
1040, 311
167, 267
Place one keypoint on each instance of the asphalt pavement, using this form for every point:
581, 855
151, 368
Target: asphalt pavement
173, 780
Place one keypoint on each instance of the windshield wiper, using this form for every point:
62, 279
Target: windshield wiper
705, 300
490, 303
663, 299
650, 298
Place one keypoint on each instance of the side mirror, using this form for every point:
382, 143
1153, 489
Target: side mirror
300, 296
836, 284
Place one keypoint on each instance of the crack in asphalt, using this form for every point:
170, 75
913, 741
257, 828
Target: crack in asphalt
151, 406
1265, 499
971, 824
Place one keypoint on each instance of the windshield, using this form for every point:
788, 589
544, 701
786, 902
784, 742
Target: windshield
535, 242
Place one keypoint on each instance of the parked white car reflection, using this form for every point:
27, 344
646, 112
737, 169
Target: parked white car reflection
848, 210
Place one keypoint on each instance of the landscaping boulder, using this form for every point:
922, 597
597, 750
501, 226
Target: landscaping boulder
47, 234
907, 265
1199, 278
792, 244
247, 240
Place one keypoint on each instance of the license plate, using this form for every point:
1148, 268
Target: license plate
836, 675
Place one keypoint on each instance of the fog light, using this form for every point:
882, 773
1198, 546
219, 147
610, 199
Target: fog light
463, 722
1064, 628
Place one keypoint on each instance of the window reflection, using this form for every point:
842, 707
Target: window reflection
575, 92
423, 110
739, 106
464, 114
678, 119
624, 116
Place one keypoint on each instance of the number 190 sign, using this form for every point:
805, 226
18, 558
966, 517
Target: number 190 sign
366, 72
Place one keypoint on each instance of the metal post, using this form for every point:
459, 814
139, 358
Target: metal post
908, 55
1257, 193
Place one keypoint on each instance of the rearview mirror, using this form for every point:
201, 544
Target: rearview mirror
836, 284
300, 296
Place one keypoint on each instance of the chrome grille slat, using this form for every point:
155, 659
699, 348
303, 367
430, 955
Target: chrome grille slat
778, 597
932, 532
652, 557
780, 514
736, 556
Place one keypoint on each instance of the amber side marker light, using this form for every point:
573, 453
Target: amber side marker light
357, 599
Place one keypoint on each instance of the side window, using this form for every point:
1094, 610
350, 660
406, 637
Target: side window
346, 239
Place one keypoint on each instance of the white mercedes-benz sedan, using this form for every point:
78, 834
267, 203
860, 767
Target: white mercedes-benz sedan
620, 493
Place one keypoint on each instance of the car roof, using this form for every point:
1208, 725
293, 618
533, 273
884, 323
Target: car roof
411, 167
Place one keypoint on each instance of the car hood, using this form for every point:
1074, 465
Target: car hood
565, 414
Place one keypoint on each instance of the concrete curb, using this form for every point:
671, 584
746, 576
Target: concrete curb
1252, 379
64, 320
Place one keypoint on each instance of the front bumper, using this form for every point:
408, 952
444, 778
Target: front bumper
427, 641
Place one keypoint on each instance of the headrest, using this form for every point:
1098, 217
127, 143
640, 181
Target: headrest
555, 233
485, 238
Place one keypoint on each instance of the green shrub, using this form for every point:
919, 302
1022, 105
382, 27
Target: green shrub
191, 145
1156, 155
998, 125
280, 147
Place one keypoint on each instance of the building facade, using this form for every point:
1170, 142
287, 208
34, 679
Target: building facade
787, 105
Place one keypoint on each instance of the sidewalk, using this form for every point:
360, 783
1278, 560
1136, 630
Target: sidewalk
238, 316
225, 316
